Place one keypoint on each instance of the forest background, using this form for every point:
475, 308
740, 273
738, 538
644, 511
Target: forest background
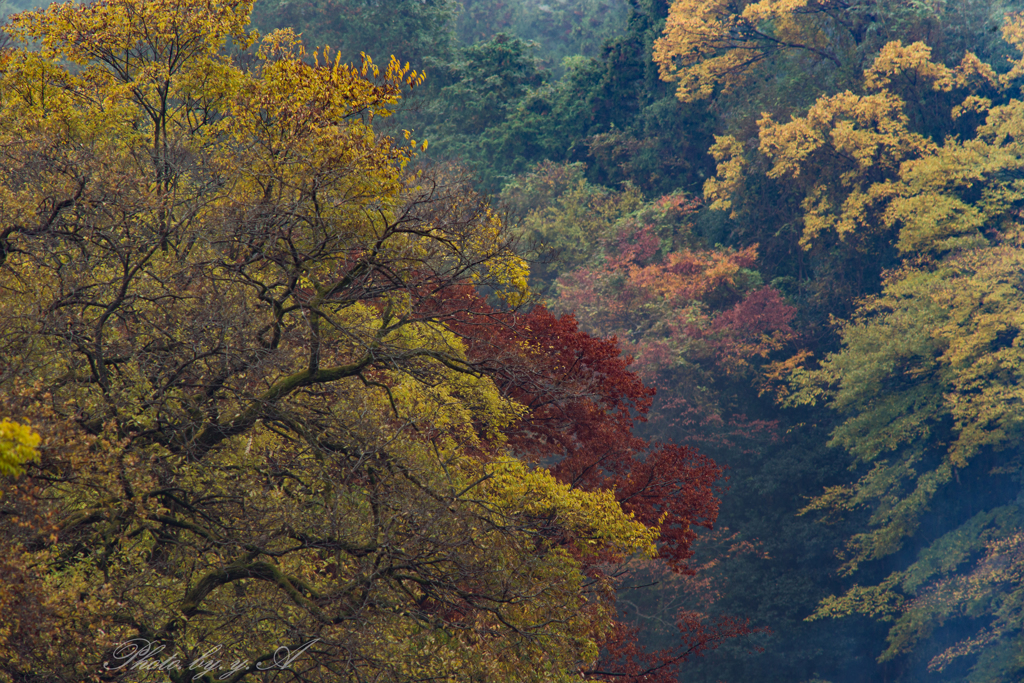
802, 220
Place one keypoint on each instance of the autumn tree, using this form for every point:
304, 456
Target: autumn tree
17, 446
583, 403
926, 381
927, 378
759, 64
713, 48
702, 327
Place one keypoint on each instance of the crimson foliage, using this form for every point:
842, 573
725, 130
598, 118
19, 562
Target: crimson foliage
584, 402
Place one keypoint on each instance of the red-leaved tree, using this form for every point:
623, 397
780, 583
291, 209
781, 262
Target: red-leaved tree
584, 403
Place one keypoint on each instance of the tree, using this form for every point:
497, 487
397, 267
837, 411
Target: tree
927, 383
273, 410
582, 405
825, 179
766, 62
477, 92
499, 109
939, 343
710, 45
561, 30
712, 48
565, 217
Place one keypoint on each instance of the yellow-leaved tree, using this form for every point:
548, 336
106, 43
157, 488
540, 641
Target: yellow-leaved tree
238, 325
928, 377
710, 46
803, 47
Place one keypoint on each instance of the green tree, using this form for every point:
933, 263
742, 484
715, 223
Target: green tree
421, 32
560, 29
501, 111
477, 94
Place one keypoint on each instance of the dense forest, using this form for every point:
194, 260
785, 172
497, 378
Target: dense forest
512, 340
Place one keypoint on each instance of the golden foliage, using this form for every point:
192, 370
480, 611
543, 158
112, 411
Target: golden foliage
17, 446
728, 152
258, 426
863, 171
708, 45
